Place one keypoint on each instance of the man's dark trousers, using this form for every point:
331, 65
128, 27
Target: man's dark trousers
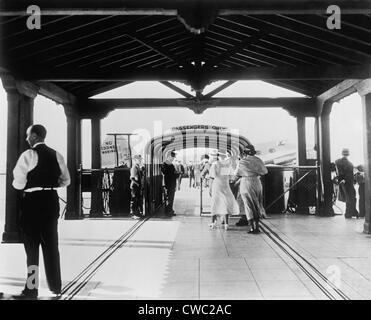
136, 202
39, 223
170, 198
191, 178
351, 201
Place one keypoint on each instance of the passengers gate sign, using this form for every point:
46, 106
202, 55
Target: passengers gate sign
198, 126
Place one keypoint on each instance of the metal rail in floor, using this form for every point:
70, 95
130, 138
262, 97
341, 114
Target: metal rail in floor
312, 272
74, 287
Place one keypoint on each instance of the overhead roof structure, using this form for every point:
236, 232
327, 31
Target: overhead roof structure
82, 48
88, 47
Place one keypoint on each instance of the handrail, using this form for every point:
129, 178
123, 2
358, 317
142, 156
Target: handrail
291, 167
103, 169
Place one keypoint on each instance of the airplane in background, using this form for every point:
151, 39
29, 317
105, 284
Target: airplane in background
280, 152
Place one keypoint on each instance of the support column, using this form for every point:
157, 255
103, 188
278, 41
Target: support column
73, 210
301, 192
96, 163
20, 117
302, 145
325, 208
366, 106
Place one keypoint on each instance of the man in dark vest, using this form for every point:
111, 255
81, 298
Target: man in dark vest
346, 184
170, 177
38, 173
136, 177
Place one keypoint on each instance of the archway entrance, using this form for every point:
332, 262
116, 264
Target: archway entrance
180, 138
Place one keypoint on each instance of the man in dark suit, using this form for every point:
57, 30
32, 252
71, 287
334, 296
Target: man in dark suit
191, 174
170, 177
346, 184
136, 200
38, 172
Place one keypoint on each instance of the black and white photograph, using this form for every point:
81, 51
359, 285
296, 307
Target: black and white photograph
185, 155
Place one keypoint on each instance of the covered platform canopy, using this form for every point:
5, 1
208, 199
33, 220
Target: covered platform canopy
84, 48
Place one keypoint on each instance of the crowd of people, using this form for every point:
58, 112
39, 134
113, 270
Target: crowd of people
221, 173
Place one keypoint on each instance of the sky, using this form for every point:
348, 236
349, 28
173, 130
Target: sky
256, 124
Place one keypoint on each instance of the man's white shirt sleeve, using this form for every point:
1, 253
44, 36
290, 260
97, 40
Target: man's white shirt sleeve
28, 161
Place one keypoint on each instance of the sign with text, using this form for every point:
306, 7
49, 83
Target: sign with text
108, 151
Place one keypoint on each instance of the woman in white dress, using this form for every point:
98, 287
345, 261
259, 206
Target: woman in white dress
197, 175
223, 202
250, 198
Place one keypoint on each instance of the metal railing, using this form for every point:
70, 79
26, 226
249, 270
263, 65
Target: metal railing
103, 181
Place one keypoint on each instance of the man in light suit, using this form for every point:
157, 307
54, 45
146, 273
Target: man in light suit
38, 173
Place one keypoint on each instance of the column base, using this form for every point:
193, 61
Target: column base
11, 237
367, 228
95, 214
72, 216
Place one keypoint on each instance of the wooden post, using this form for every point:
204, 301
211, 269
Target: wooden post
301, 195
366, 106
96, 208
73, 210
302, 145
20, 117
326, 208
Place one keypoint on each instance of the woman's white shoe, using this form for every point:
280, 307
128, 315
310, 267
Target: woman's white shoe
212, 226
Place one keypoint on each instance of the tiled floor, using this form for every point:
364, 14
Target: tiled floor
180, 258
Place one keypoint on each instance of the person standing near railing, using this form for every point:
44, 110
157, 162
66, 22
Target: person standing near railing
38, 172
170, 177
360, 179
205, 170
136, 177
250, 199
346, 184
191, 174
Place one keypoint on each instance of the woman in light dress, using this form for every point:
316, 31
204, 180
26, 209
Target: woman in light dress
223, 202
250, 198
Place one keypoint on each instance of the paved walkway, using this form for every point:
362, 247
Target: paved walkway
180, 258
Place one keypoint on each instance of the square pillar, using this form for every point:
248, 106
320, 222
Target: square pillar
301, 195
20, 117
366, 106
324, 147
73, 210
302, 145
96, 207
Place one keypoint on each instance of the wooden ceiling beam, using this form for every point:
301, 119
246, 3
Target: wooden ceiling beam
333, 72
166, 7
318, 38
98, 89
304, 106
218, 89
282, 34
246, 42
176, 89
160, 50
